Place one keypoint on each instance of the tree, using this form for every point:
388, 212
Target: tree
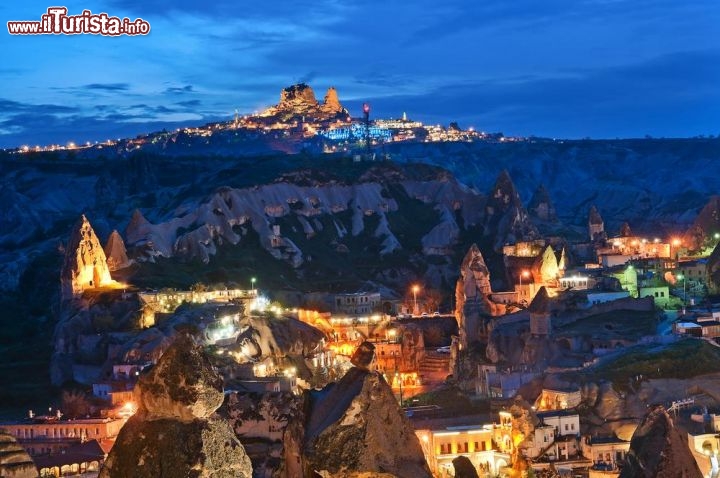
74, 404
433, 298
198, 287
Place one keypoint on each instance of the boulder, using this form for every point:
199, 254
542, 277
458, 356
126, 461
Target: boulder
464, 468
173, 432
182, 386
363, 356
356, 426
658, 450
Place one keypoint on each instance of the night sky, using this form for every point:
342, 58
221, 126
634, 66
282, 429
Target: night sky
570, 69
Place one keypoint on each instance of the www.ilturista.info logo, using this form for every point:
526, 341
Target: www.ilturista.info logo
57, 22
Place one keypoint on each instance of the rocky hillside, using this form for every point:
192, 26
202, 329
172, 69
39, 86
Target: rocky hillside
341, 224
643, 181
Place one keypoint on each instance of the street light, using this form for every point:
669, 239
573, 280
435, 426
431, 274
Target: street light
415, 290
252, 284
398, 377
682, 278
524, 273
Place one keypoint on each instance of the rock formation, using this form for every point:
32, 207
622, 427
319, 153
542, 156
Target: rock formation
116, 253
541, 206
548, 267
173, 432
219, 220
596, 226
332, 103
356, 426
471, 296
363, 356
272, 422
85, 266
625, 230
137, 228
297, 96
14, 460
506, 218
539, 310
524, 421
658, 450
298, 102
563, 261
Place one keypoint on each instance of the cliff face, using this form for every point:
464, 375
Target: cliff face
14, 460
85, 265
348, 208
658, 450
173, 432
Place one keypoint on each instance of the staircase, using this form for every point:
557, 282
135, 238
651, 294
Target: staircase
435, 366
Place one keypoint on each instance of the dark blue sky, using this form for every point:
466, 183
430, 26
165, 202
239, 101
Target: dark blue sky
575, 68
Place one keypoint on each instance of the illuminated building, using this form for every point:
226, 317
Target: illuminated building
356, 132
441, 446
48, 435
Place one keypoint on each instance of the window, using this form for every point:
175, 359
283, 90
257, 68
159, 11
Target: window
566, 427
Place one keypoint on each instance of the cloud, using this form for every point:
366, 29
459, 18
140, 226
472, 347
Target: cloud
178, 90
653, 97
10, 106
107, 86
189, 103
22, 128
299, 9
